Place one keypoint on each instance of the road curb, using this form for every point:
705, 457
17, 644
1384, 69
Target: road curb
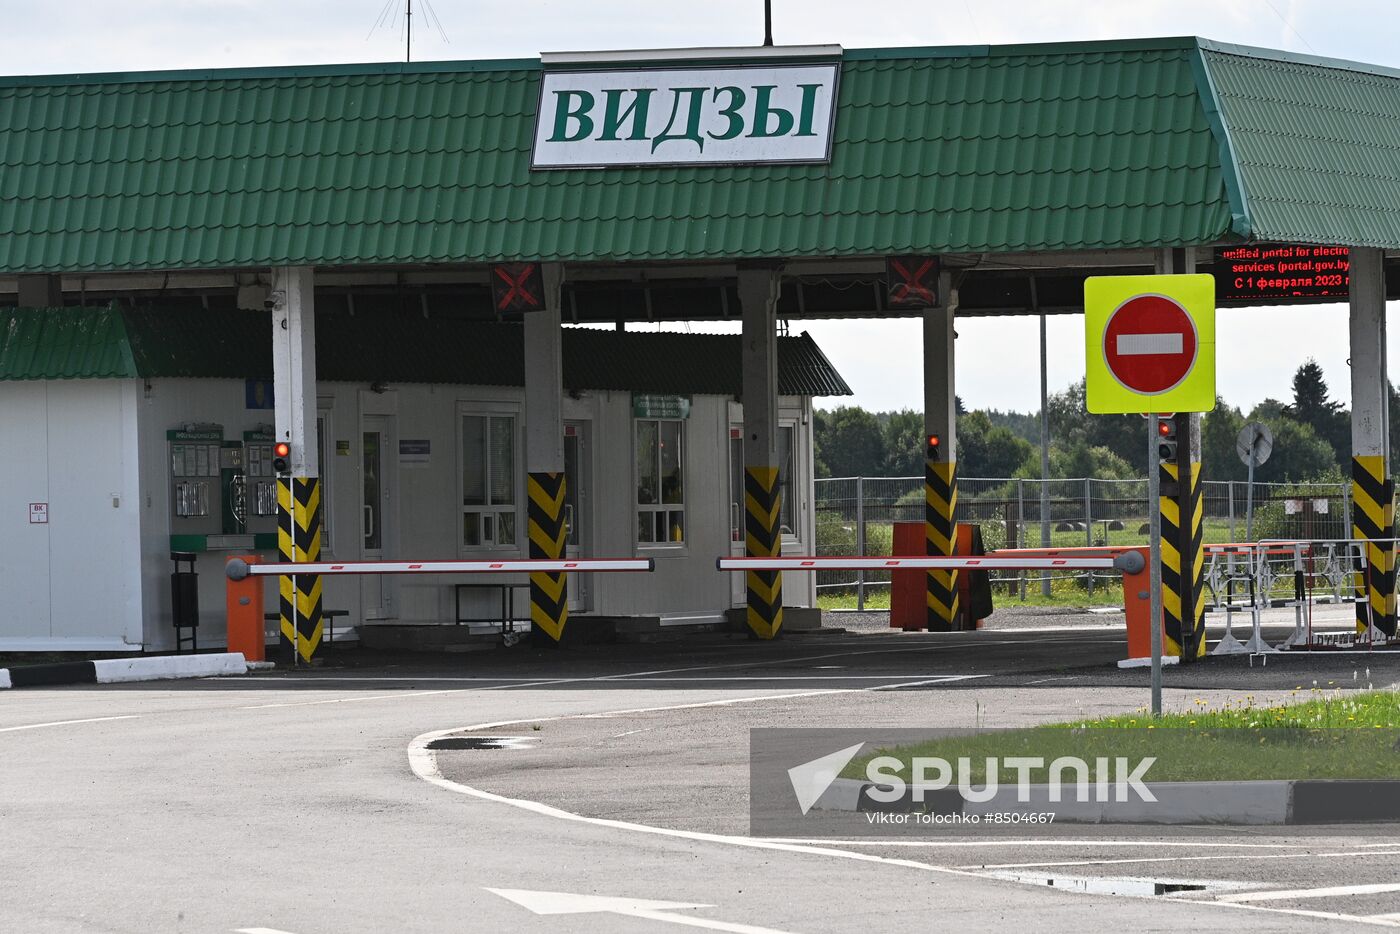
1255, 803
121, 670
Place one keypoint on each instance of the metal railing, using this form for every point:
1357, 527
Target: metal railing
856, 516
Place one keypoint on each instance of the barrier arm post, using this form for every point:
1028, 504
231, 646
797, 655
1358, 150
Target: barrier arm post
243, 601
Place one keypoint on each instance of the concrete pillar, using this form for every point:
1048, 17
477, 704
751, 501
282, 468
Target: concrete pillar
1372, 490
940, 466
544, 457
299, 489
758, 298
1182, 518
40, 292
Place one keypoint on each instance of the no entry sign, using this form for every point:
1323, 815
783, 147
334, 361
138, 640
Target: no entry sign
1149, 343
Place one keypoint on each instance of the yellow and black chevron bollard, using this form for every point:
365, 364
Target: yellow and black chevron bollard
549, 593
1183, 591
299, 541
940, 530
1373, 519
763, 539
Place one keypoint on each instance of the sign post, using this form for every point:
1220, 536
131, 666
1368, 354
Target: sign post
1150, 348
1254, 445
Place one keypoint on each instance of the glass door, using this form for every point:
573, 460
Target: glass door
377, 513
577, 524
738, 585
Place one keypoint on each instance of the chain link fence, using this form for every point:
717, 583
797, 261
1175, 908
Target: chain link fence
857, 515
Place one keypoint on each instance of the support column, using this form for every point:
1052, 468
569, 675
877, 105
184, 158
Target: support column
40, 292
1372, 491
758, 297
298, 491
544, 458
940, 466
1182, 519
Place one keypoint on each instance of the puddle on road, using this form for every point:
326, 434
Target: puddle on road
1105, 886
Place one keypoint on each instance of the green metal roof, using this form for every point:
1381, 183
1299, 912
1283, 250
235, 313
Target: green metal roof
106, 343
1316, 143
955, 150
39, 344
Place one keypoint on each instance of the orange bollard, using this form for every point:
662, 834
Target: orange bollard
244, 604
1137, 606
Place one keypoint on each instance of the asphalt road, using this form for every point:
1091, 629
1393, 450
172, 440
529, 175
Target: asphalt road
309, 803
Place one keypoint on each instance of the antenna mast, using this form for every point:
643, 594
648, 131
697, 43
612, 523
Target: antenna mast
408, 32
767, 22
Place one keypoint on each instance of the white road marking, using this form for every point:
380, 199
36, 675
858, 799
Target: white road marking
1274, 895
39, 726
259, 931
1176, 859
624, 677
954, 844
1300, 912
565, 903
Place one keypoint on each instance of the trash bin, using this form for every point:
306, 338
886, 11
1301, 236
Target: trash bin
184, 600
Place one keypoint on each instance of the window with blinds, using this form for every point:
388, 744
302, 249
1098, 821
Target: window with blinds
488, 481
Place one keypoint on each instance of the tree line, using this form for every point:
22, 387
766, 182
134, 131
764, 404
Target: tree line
1312, 439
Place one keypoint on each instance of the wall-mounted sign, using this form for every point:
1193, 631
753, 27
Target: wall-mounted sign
670, 116
911, 281
342, 449
415, 452
38, 513
257, 394
517, 287
647, 405
1276, 273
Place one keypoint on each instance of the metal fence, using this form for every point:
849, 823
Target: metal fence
856, 516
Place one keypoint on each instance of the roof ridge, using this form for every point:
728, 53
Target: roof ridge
1298, 58
247, 72
1240, 221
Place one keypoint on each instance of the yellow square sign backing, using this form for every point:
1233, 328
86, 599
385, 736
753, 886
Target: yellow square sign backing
1149, 344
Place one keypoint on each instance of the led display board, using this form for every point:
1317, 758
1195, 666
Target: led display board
1279, 273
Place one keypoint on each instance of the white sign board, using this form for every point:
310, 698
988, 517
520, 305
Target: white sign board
38, 513
675, 116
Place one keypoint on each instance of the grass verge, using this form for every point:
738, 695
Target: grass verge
1325, 736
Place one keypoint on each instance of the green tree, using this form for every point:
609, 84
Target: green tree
1299, 454
1219, 430
1312, 407
851, 442
904, 443
1071, 424
988, 450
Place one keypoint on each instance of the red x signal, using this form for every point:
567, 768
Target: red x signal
517, 287
912, 281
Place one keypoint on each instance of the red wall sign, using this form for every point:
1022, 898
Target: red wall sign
1277, 273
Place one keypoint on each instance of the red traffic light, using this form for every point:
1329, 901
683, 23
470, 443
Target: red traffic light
933, 441
1164, 427
282, 449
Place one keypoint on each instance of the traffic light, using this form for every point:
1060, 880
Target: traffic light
931, 452
1166, 440
282, 458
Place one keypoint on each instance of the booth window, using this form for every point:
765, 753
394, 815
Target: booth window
787, 465
488, 481
660, 482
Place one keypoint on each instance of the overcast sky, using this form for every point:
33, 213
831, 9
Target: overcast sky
998, 358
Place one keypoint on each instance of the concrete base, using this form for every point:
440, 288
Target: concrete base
796, 619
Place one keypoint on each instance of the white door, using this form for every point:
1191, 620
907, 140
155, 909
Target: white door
378, 512
738, 586
578, 524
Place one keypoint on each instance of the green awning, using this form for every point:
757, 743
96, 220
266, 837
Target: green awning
1067, 146
107, 343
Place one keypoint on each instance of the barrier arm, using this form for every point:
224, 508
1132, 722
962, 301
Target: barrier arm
1130, 562
244, 597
